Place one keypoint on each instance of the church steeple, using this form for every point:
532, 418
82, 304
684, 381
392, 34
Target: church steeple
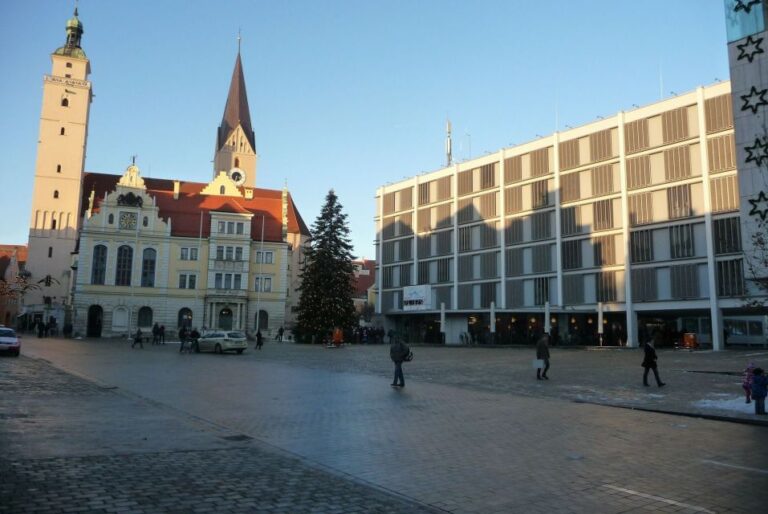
74, 34
235, 140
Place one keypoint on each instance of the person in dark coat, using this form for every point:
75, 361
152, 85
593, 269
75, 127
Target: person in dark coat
156, 334
759, 390
398, 351
259, 340
542, 353
649, 361
138, 339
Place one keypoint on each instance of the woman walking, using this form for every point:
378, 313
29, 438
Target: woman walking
542, 353
649, 361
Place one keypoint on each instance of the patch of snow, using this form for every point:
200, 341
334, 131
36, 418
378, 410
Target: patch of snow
734, 404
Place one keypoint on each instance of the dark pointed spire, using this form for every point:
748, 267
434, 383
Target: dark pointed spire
236, 111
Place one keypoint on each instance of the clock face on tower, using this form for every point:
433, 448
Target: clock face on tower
237, 175
128, 220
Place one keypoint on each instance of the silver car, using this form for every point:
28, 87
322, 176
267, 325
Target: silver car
220, 341
9, 341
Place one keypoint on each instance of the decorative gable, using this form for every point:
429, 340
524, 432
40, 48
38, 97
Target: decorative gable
222, 185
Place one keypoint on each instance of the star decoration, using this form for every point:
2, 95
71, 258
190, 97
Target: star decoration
762, 200
741, 6
754, 99
757, 152
750, 48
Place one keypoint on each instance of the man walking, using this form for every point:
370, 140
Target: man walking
398, 351
542, 353
649, 361
280, 332
137, 339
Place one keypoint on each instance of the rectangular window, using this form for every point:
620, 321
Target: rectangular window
406, 246
639, 172
488, 176
443, 188
515, 293
571, 254
444, 270
239, 228
539, 162
685, 281
602, 214
644, 286
219, 280
219, 253
540, 290
679, 202
730, 278
487, 295
193, 254
465, 268
268, 257
405, 274
182, 281
443, 216
228, 281
674, 125
570, 187
467, 212
184, 254
444, 242
604, 250
465, 239
602, 180
636, 133
465, 182
488, 235
722, 153
238, 253
542, 258
230, 227
513, 169
489, 265
423, 273
725, 194
718, 112
424, 193
514, 231
569, 154
388, 203
192, 282
387, 280
573, 289
229, 253
681, 241
640, 209
541, 226
387, 253
606, 286
222, 227
641, 246
424, 246
727, 235
600, 145
488, 206
570, 218
237, 281
267, 284
514, 262
424, 217
539, 194
677, 163
513, 200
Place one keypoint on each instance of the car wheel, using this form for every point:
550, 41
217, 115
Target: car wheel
218, 348
239, 351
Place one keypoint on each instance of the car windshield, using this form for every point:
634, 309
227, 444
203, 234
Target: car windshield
236, 335
7, 332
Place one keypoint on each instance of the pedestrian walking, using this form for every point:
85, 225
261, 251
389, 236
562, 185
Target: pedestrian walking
137, 339
746, 381
280, 332
649, 361
759, 390
156, 334
542, 353
182, 338
259, 340
398, 352
162, 334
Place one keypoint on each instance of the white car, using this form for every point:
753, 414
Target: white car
9, 341
220, 341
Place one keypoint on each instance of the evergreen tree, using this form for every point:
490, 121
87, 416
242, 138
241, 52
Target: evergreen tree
326, 290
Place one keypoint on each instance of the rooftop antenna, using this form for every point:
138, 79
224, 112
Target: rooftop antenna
133, 159
448, 143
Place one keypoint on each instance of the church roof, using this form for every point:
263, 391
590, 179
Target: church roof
185, 210
236, 112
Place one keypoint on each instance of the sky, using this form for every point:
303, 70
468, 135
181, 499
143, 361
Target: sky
344, 95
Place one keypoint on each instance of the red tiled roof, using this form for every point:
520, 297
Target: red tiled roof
362, 283
184, 212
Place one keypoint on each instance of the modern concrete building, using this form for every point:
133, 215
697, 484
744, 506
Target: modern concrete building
117, 252
630, 223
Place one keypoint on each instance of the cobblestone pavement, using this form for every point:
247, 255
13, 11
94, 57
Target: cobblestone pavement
69, 445
471, 432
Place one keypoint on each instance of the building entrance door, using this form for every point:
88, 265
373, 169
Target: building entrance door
225, 319
95, 317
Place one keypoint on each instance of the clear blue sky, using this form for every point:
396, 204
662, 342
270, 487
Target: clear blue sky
347, 95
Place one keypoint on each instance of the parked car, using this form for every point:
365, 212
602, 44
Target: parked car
9, 341
220, 341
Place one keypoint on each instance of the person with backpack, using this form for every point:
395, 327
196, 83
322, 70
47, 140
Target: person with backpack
398, 352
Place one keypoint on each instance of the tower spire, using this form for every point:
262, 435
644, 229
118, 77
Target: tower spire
236, 111
75, 31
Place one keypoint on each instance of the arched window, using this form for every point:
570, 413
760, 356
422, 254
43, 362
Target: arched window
65, 102
61, 132
55, 194
221, 190
99, 266
58, 168
185, 318
148, 268
145, 317
111, 219
237, 162
53, 223
124, 265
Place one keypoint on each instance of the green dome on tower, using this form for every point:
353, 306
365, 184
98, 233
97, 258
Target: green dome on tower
74, 33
